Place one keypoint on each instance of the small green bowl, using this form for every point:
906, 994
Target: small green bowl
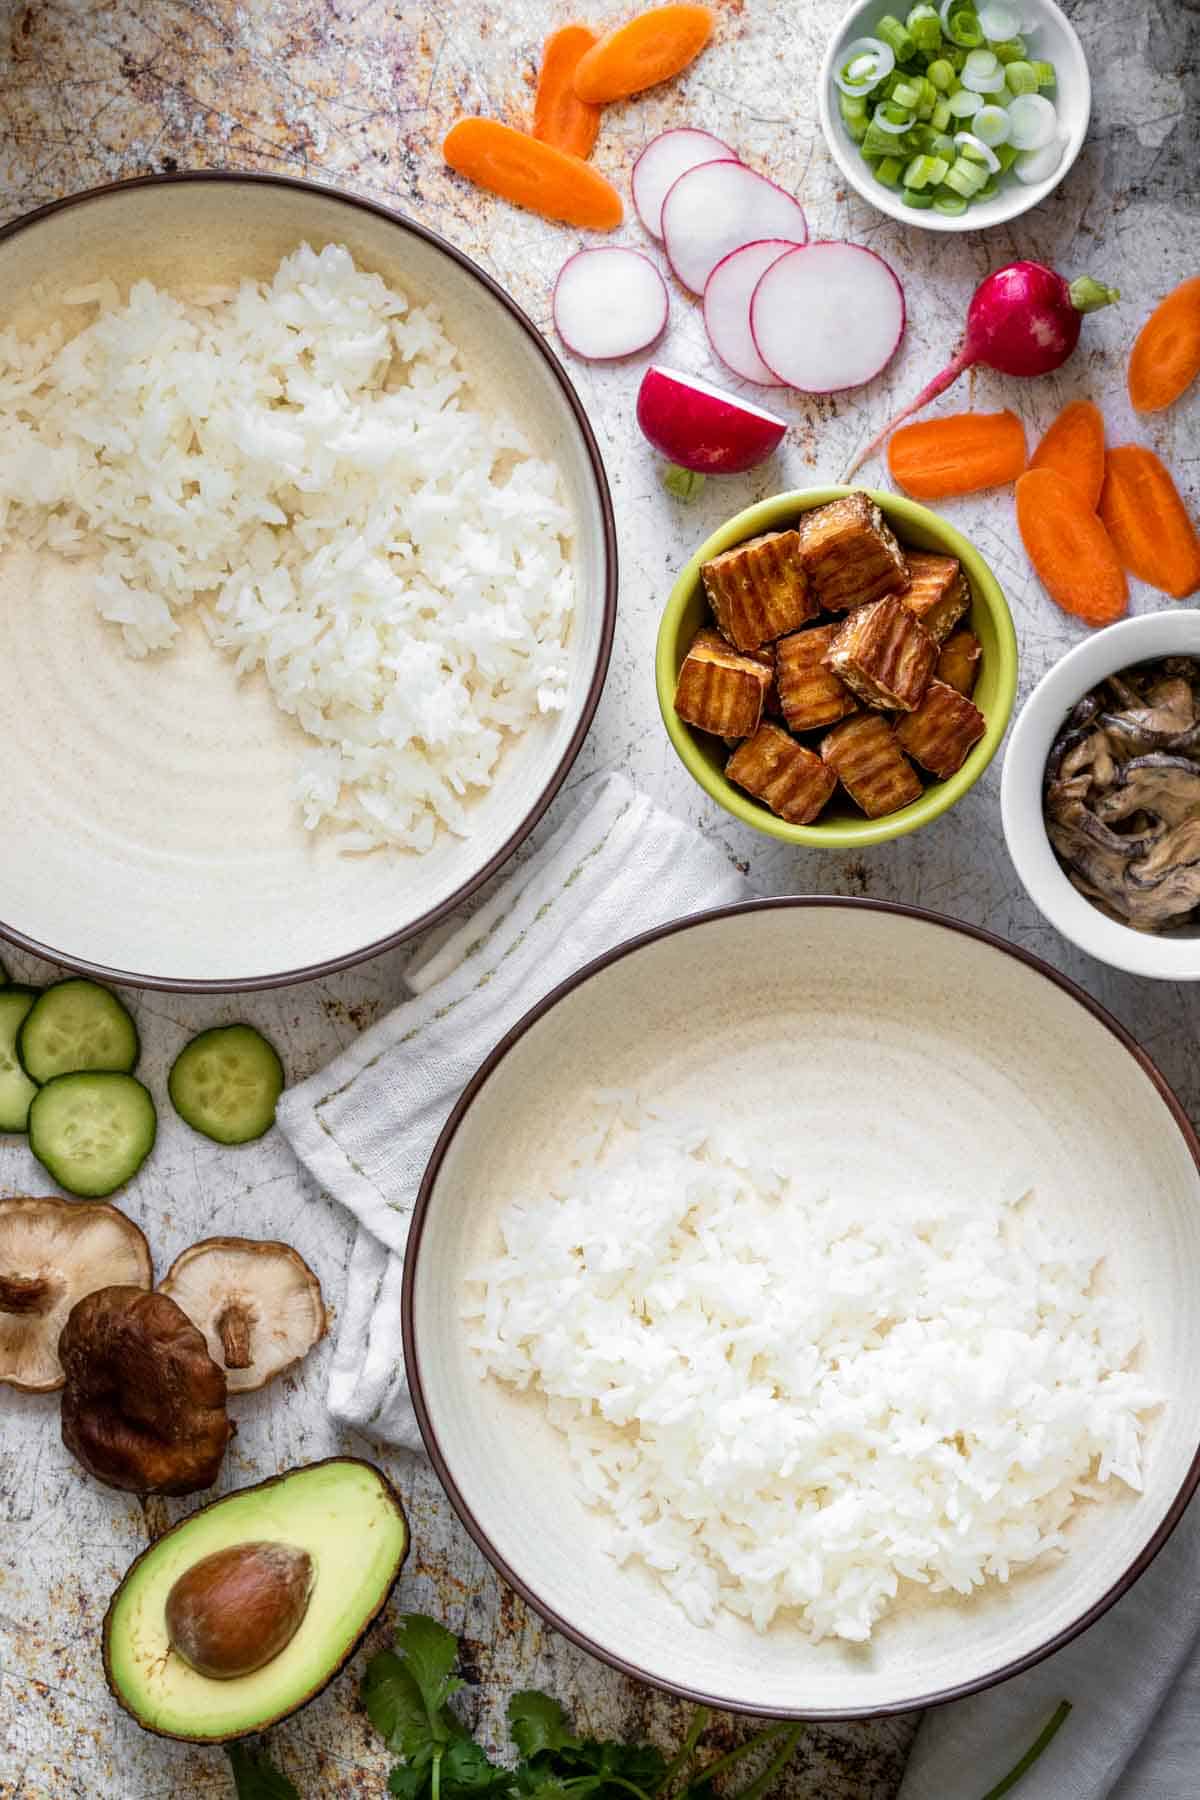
989, 618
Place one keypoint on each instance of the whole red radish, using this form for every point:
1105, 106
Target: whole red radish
1023, 319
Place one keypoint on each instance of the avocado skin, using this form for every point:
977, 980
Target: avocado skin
183, 1737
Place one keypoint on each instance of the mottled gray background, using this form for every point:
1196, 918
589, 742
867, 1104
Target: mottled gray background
359, 93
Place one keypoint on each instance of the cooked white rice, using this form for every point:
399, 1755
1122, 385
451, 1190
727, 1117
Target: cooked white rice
299, 459
791, 1398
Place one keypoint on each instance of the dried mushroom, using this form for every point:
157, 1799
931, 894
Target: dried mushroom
144, 1403
52, 1253
257, 1302
1122, 795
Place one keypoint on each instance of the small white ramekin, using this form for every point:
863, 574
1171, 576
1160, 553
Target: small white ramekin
1054, 40
1174, 957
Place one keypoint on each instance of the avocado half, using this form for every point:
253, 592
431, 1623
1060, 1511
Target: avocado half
348, 1517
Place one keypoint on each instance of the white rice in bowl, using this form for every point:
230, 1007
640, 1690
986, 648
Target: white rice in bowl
299, 460
787, 1398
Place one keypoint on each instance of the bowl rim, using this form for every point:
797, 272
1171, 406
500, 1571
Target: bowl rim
1146, 635
591, 700
863, 182
854, 833
412, 1351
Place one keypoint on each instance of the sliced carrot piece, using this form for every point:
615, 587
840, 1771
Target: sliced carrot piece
1069, 548
1166, 353
1074, 446
531, 174
560, 117
650, 48
1148, 522
957, 454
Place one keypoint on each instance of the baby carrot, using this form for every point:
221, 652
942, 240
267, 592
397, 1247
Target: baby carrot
1166, 352
1074, 445
1069, 548
532, 174
957, 454
560, 117
1148, 522
648, 49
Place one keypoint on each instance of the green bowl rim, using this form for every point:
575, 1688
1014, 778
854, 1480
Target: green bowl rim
846, 834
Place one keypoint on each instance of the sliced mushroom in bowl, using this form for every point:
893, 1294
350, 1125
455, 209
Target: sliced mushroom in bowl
1101, 795
257, 1302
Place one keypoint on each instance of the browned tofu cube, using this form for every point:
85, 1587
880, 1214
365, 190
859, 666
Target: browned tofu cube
791, 780
937, 592
870, 765
810, 695
759, 589
720, 691
942, 730
851, 553
885, 654
958, 662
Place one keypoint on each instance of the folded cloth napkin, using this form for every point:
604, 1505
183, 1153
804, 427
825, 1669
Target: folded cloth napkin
365, 1126
1133, 1681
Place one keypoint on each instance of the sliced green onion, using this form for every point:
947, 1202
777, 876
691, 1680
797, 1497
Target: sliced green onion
977, 150
981, 62
984, 84
1045, 73
998, 21
1021, 78
1032, 122
852, 106
1012, 50
1040, 164
960, 24
907, 93
1006, 156
991, 125
948, 202
925, 171
941, 115
990, 187
941, 73
895, 37
916, 197
871, 58
941, 144
892, 121
966, 178
888, 170
964, 104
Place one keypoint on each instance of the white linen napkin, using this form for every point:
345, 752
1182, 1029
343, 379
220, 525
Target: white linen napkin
365, 1125
1133, 1681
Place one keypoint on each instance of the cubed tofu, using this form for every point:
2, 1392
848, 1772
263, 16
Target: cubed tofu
811, 696
851, 553
870, 765
720, 691
958, 662
942, 730
759, 589
937, 592
884, 654
767, 657
791, 780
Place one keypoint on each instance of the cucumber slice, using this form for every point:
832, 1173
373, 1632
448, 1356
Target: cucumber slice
16, 1089
225, 1084
76, 1025
92, 1131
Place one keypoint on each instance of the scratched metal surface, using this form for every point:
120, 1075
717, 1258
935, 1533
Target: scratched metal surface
358, 94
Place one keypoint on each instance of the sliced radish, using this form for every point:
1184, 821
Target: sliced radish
667, 157
828, 316
727, 296
700, 427
609, 302
718, 207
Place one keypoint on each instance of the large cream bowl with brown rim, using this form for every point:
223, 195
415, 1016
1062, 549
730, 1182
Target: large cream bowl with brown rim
886, 1040
150, 827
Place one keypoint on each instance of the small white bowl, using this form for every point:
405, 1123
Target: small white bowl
1054, 39
1172, 958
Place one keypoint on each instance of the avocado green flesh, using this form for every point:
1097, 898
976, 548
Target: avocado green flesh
347, 1519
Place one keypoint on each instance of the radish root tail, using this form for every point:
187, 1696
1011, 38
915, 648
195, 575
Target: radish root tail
938, 385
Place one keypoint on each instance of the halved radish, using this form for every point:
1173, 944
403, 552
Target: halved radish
727, 296
828, 316
719, 206
609, 302
663, 161
700, 427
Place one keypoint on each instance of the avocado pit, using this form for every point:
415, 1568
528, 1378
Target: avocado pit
234, 1611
